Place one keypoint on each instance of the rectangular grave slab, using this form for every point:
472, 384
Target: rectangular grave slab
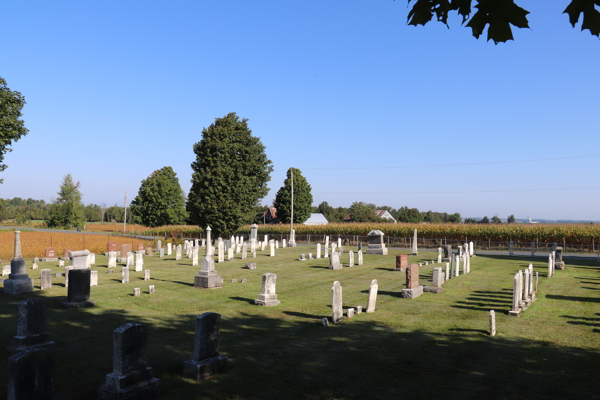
267, 296
206, 362
32, 327
79, 289
32, 375
401, 262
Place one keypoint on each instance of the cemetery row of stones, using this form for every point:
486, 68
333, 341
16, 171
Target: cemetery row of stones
31, 368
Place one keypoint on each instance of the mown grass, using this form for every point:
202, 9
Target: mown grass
433, 346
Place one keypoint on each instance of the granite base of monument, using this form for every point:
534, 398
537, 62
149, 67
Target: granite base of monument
31, 342
400, 269
514, 313
18, 286
560, 265
78, 304
381, 252
207, 281
53, 259
149, 389
205, 369
267, 303
411, 293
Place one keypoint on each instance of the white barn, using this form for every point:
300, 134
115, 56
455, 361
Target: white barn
316, 219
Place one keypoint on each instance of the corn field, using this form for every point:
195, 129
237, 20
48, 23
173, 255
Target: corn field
34, 243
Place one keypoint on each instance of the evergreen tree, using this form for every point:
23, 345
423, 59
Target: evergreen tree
160, 200
67, 211
230, 176
302, 198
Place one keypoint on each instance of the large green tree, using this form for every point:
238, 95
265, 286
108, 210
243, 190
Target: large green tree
363, 212
498, 15
68, 210
302, 198
230, 175
160, 200
12, 127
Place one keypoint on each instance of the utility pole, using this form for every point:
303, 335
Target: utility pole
125, 217
292, 228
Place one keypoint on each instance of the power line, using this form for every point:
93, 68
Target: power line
471, 191
460, 164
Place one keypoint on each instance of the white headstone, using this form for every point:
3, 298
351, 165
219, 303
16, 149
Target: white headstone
336, 302
372, 296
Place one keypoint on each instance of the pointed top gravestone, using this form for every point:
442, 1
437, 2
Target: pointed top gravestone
18, 281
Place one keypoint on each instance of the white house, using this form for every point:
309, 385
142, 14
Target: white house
316, 219
385, 214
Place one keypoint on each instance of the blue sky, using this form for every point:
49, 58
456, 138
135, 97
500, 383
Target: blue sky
116, 90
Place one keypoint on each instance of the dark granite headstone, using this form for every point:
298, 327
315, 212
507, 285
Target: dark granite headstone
207, 361
447, 252
79, 289
31, 375
32, 328
131, 377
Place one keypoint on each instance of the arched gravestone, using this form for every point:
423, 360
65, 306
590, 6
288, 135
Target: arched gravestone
131, 377
206, 362
31, 375
32, 327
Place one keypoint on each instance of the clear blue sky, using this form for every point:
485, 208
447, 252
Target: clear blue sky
116, 90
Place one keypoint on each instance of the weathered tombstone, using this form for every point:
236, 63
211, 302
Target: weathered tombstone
325, 322
414, 250
401, 262
302, 257
251, 265
272, 248
360, 257
79, 289
151, 289
244, 251
447, 273
61, 263
138, 247
267, 296
136, 292
162, 253
318, 250
438, 277
492, 323
372, 296
206, 362
326, 252
169, 249
334, 261
221, 250
92, 257
149, 251
124, 275
112, 259
18, 281
559, 263
79, 259
310, 256
440, 254
254, 252
292, 241
131, 377
207, 277
350, 259
147, 275
549, 265
376, 245
277, 244
350, 313
34, 265
125, 249
158, 245
516, 307
456, 265
413, 289
283, 244
31, 375
32, 327
447, 253
358, 309
112, 246
254, 232
46, 279
336, 302
93, 278
195, 250
139, 261
471, 249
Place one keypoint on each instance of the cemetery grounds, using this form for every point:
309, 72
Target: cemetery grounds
433, 346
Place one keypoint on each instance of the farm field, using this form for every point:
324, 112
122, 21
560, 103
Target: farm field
434, 346
34, 243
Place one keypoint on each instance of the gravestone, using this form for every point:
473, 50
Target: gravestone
272, 248
350, 258
267, 296
195, 250
93, 278
111, 246
438, 277
46, 279
147, 275
124, 275
350, 313
136, 292
515, 311
149, 251
169, 249
292, 241
34, 265
310, 256
79, 259
207, 277
221, 250
334, 261
162, 253
178, 253
326, 251
49, 254
447, 272
158, 245
61, 263
18, 281
372, 296
151, 289
130, 260
283, 244
413, 289
244, 251
302, 257
254, 232
336, 302
139, 261
125, 248
492, 323
358, 309
401, 262
138, 247
325, 322
32, 327
559, 263
112, 259
251, 265
360, 257
79, 289
414, 250
471, 249
277, 244
318, 250
92, 258
440, 254
447, 253
206, 362
31, 375
131, 377
376, 245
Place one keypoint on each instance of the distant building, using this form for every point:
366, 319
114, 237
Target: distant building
384, 214
316, 219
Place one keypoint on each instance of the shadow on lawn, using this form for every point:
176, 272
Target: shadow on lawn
296, 358
573, 298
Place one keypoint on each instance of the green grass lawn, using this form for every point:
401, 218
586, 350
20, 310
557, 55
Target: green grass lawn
435, 346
